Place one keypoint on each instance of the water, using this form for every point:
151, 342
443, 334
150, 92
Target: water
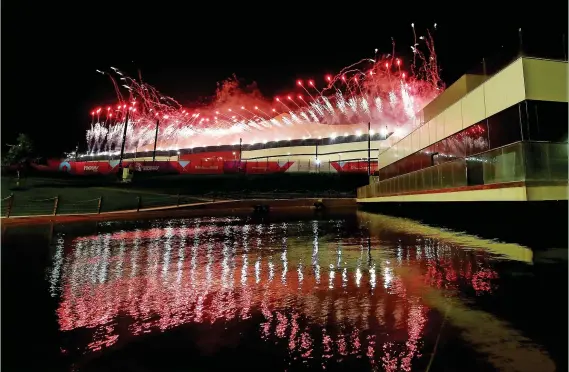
336, 292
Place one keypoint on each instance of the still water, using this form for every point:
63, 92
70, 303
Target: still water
356, 291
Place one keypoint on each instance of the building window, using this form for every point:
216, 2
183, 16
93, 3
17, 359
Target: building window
545, 121
504, 127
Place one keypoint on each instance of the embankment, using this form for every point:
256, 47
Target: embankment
215, 208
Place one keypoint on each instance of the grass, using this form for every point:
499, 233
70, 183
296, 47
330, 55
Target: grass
36, 196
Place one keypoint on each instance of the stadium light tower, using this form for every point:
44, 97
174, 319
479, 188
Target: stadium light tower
369, 148
155, 140
240, 149
123, 139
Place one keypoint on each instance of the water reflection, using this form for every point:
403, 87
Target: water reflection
324, 294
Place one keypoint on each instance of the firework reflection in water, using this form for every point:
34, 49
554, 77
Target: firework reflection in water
315, 290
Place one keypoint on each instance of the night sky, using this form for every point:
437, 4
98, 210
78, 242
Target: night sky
50, 51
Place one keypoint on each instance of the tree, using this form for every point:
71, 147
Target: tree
19, 152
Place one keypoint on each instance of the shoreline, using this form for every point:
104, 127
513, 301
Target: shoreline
244, 206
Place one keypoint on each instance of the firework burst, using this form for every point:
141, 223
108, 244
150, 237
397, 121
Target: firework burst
378, 90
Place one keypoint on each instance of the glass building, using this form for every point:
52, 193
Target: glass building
486, 138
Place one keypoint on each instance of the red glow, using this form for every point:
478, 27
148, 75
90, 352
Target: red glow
109, 108
376, 82
111, 115
92, 112
274, 110
98, 110
134, 110
87, 307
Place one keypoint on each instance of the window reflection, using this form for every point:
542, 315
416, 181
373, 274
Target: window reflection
545, 121
498, 130
504, 127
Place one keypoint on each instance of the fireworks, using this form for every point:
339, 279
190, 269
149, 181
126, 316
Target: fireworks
378, 90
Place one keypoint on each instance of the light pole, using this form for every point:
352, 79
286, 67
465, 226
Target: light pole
317, 161
521, 41
564, 48
155, 141
123, 139
368, 148
240, 148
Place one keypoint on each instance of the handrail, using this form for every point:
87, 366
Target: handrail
476, 154
84, 201
42, 200
524, 169
15, 206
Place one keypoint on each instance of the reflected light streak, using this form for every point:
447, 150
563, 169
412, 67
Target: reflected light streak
200, 288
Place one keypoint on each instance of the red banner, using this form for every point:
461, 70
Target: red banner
201, 165
353, 167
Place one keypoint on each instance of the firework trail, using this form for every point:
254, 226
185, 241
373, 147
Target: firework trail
376, 90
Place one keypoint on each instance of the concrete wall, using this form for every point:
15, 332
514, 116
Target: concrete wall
519, 193
335, 152
545, 80
452, 94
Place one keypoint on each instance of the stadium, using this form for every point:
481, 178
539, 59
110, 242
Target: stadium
347, 154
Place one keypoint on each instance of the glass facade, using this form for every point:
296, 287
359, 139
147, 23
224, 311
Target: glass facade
520, 161
525, 121
544, 121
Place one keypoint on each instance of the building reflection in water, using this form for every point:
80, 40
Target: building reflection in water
328, 294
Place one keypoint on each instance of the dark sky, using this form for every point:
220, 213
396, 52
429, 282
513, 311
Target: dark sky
50, 51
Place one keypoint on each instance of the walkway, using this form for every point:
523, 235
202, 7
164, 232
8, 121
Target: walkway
224, 206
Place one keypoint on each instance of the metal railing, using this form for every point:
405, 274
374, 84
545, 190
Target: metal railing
520, 161
21, 205
276, 194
